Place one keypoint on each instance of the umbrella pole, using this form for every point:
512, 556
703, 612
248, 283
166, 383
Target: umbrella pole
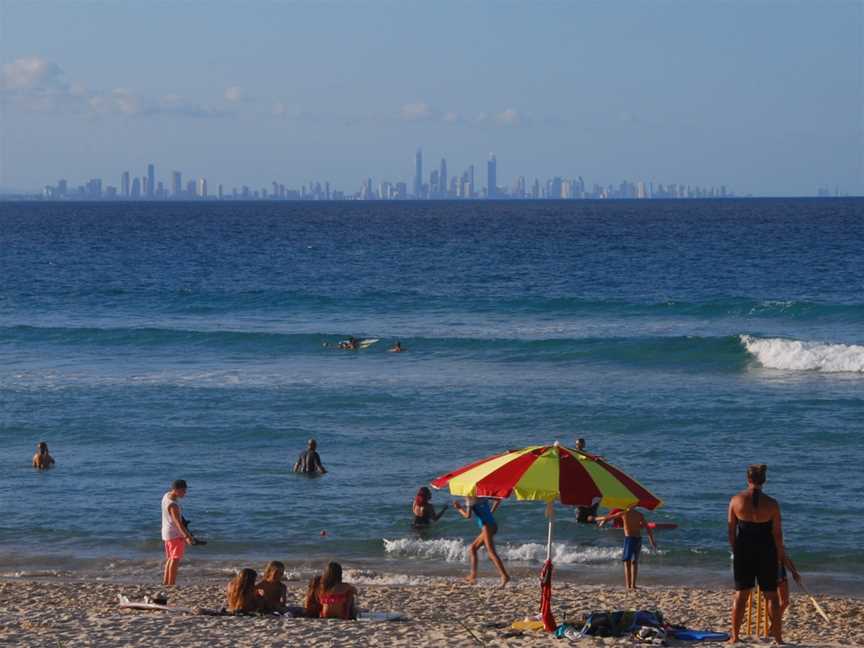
546, 575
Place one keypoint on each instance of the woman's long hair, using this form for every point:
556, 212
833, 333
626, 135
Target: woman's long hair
756, 476
423, 496
274, 571
42, 448
332, 576
241, 590
312, 605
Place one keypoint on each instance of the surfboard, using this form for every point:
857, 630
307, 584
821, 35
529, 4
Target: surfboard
365, 344
129, 604
369, 615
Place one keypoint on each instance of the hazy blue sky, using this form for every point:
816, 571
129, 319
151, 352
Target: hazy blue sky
767, 97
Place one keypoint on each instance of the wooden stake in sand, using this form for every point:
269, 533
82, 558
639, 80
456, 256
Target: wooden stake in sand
815, 604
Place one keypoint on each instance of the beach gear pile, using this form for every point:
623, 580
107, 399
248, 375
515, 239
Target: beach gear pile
643, 626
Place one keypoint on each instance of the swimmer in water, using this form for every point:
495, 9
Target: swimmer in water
424, 511
397, 348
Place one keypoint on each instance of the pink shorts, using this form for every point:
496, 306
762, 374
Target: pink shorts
174, 549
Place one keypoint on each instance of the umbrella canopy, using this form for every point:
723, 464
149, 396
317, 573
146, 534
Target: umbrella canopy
549, 473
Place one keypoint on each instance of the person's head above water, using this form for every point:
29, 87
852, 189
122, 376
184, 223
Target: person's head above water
42, 448
312, 443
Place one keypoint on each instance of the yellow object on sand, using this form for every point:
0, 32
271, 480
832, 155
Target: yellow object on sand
528, 624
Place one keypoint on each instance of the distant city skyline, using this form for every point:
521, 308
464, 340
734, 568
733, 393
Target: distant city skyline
437, 185
765, 97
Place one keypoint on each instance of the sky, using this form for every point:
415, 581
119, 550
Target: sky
766, 97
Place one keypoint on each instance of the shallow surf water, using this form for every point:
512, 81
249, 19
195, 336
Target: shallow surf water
684, 340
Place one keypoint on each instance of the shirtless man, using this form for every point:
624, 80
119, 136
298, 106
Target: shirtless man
634, 522
42, 460
756, 539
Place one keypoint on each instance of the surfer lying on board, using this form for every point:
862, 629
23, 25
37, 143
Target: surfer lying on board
634, 522
351, 344
397, 347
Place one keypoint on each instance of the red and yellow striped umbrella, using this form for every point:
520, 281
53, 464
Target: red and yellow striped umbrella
548, 473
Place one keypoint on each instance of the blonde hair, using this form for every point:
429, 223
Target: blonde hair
274, 571
241, 591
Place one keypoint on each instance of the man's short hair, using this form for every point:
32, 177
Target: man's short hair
179, 484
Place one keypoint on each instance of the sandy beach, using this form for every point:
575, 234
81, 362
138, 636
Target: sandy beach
449, 613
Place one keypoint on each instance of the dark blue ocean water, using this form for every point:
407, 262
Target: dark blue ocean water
684, 340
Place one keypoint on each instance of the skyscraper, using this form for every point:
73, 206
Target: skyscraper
202, 187
442, 179
492, 176
418, 174
135, 192
125, 186
151, 180
176, 184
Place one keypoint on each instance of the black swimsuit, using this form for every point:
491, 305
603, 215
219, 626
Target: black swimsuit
755, 557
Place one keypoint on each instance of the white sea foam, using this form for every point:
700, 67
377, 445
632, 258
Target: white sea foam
455, 550
795, 355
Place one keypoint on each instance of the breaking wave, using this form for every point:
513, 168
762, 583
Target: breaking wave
455, 550
796, 355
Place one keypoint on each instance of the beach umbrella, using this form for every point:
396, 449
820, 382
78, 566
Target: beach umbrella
548, 473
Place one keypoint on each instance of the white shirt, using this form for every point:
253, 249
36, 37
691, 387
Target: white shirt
170, 530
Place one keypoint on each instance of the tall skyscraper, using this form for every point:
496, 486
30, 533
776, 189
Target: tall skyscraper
492, 176
125, 186
442, 179
176, 184
135, 192
418, 174
151, 180
202, 188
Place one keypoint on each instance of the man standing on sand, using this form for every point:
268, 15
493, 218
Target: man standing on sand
756, 539
175, 535
634, 522
309, 462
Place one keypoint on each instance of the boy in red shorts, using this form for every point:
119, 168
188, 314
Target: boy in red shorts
175, 535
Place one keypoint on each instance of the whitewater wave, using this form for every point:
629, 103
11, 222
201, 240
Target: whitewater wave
455, 550
796, 355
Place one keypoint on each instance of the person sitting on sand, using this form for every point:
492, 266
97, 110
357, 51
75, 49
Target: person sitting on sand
483, 515
424, 512
309, 462
756, 538
397, 348
312, 605
42, 460
634, 522
338, 599
242, 598
271, 590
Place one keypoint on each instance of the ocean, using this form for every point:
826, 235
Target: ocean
683, 340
